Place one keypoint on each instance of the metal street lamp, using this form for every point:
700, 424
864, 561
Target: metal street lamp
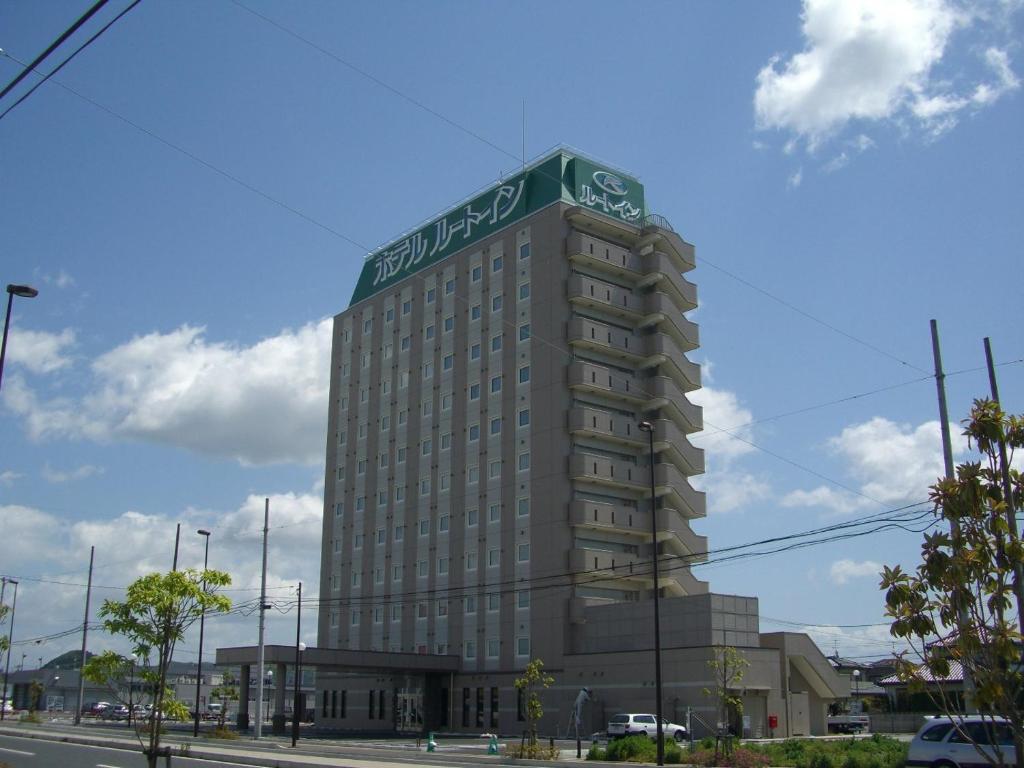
648, 427
856, 688
10, 636
299, 648
25, 292
131, 688
202, 620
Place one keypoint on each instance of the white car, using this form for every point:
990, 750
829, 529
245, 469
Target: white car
939, 744
632, 725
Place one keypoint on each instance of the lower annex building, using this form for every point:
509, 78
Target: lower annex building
488, 483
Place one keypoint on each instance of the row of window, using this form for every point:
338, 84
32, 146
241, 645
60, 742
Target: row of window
427, 407
493, 560
424, 525
430, 296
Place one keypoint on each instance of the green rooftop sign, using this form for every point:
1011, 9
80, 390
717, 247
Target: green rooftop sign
563, 177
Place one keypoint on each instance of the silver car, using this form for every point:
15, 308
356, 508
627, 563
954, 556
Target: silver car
938, 744
634, 725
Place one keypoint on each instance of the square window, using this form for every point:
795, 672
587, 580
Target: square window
449, 324
382, 536
496, 263
496, 303
357, 578
424, 527
471, 515
426, 447
523, 599
442, 607
524, 374
361, 467
496, 425
446, 441
474, 351
407, 306
378, 575
524, 331
494, 513
442, 566
421, 569
367, 325
472, 475
421, 610
449, 287
382, 498
523, 553
471, 561
524, 461
448, 362
474, 391
345, 369
403, 379
444, 480
428, 332
469, 604
385, 386
431, 295
474, 432
524, 417
428, 407
493, 557
522, 646
347, 335
446, 402
385, 423
494, 469
476, 273
399, 532
389, 315
524, 291
384, 460
388, 351
443, 523
402, 450
495, 384
406, 343
496, 343
493, 648
357, 541
403, 416
354, 618
493, 601
399, 493
360, 503
474, 312
428, 370
524, 251
396, 574
470, 649
424, 486
523, 506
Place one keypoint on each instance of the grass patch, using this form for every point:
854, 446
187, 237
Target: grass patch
636, 749
874, 752
223, 733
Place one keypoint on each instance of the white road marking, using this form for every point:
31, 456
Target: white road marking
17, 752
104, 765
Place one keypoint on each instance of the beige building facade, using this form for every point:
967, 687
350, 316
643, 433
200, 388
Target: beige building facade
488, 485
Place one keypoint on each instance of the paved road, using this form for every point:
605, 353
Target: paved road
37, 753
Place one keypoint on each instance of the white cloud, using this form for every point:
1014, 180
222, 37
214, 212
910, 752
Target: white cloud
8, 476
55, 476
796, 178
259, 404
844, 570
836, 163
729, 491
722, 411
894, 465
39, 351
873, 60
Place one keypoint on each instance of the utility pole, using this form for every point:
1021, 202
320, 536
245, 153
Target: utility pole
263, 608
299, 648
177, 538
1004, 470
85, 631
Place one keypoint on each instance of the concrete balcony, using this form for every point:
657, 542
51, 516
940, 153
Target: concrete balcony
611, 473
602, 255
675, 535
674, 532
594, 564
614, 384
614, 342
672, 484
595, 294
613, 428
666, 241
662, 312
660, 270
663, 352
663, 393
672, 443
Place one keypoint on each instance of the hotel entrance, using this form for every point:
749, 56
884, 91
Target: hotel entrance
409, 710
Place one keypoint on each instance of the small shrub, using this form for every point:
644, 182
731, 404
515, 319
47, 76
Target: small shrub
673, 754
821, 760
29, 717
596, 753
738, 758
220, 732
632, 749
536, 751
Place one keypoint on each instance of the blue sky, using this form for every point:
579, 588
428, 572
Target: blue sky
194, 193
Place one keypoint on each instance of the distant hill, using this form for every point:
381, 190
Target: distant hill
70, 660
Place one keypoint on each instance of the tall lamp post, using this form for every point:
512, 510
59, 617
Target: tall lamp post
299, 648
10, 636
25, 292
202, 620
856, 689
648, 427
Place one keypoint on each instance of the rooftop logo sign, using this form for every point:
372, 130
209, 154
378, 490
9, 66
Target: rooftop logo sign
560, 177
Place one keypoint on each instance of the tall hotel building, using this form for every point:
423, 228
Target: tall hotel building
488, 488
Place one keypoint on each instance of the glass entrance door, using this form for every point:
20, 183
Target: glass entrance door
409, 710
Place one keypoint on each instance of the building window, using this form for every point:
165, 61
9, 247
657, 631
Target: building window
496, 263
494, 469
428, 371
389, 315
396, 612
421, 610
522, 646
523, 506
424, 527
403, 379
442, 607
493, 557
494, 708
384, 459
479, 707
493, 648
362, 430
465, 707
476, 273
496, 426
361, 467
493, 601
523, 599
524, 374
474, 312
474, 391
446, 402
406, 343
449, 324
382, 536
360, 503
428, 332
469, 604
474, 351
357, 579
474, 432
353, 618
471, 561
524, 417
378, 615
378, 575
448, 362
493, 513
524, 332
426, 447
524, 291
407, 306
442, 566
428, 408
431, 295
446, 441
523, 553
449, 287
524, 253
421, 569
424, 486
471, 516
496, 343
367, 325
495, 384
524, 461
403, 416
385, 423
443, 523
496, 303
469, 649
399, 533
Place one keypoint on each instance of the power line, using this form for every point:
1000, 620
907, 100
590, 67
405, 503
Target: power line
60, 66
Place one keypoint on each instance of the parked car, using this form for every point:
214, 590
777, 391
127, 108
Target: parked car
97, 709
939, 743
119, 712
631, 725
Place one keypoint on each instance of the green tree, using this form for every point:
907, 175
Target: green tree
157, 611
958, 606
118, 674
225, 693
530, 685
4, 610
727, 668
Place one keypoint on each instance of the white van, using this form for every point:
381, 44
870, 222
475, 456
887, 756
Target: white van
939, 743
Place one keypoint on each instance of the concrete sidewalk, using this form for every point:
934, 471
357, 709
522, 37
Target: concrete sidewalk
275, 752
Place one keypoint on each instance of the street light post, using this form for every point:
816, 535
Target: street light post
26, 292
648, 427
131, 688
856, 688
202, 620
299, 648
10, 637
